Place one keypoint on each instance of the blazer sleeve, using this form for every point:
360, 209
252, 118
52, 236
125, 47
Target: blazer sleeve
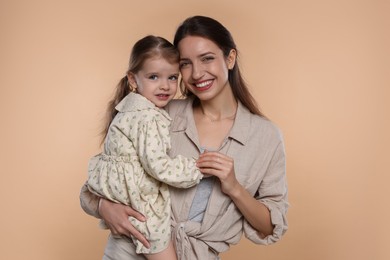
273, 194
89, 202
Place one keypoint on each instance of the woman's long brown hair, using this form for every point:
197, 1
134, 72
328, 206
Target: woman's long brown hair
211, 29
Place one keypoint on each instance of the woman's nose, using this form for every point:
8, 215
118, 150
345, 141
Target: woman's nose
197, 71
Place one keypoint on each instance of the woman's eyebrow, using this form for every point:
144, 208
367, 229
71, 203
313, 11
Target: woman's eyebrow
199, 56
206, 53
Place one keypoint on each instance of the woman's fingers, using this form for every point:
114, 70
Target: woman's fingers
214, 158
116, 217
215, 163
132, 230
221, 166
141, 238
135, 214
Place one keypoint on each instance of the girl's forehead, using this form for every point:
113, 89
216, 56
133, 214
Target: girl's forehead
158, 59
159, 63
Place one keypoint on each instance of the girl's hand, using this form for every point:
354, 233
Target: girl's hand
116, 217
221, 166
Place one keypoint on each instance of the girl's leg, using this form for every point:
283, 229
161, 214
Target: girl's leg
167, 254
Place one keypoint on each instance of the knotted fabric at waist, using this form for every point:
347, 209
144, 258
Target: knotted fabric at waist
188, 245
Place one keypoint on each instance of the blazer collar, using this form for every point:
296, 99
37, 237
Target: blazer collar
242, 124
239, 132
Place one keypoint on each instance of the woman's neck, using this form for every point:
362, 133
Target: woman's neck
219, 108
214, 119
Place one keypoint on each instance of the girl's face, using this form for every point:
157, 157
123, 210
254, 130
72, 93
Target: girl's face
157, 80
204, 68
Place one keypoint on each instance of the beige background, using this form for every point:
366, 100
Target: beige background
319, 69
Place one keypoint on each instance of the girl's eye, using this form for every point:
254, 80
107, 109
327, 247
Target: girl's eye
153, 77
173, 78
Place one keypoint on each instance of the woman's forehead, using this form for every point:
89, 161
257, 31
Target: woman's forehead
197, 46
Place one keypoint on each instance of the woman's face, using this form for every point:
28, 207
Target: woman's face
204, 68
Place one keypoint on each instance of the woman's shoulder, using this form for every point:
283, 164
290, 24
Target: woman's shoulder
265, 123
266, 126
254, 123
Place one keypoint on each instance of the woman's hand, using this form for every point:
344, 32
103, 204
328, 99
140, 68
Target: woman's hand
116, 217
221, 166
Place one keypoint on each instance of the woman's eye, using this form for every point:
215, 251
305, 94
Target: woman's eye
183, 64
207, 58
153, 77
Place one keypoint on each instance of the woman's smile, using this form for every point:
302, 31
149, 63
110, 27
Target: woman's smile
204, 85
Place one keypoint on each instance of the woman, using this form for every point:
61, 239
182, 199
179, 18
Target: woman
247, 190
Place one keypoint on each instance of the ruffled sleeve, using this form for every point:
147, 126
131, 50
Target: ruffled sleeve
113, 177
273, 194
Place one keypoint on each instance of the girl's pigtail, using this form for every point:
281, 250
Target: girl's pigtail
122, 90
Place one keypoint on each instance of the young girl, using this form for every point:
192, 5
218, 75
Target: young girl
134, 168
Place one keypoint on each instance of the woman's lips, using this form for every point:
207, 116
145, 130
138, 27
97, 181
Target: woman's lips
204, 85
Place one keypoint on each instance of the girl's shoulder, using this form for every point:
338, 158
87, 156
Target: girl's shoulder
178, 105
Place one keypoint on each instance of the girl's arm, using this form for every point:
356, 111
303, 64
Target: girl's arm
153, 144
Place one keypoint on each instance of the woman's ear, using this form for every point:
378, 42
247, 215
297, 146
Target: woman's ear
231, 59
132, 81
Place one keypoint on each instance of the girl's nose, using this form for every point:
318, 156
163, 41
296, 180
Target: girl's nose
164, 85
